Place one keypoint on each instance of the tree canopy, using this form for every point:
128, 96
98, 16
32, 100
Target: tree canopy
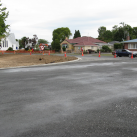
59, 36
77, 34
42, 41
3, 16
117, 33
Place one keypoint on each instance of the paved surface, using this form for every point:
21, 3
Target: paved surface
94, 97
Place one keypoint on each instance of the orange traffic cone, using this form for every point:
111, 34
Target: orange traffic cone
99, 54
65, 54
115, 54
132, 55
82, 54
49, 52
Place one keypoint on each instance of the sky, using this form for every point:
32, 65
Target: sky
41, 17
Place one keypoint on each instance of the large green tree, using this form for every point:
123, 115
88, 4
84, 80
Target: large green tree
77, 34
23, 41
42, 41
117, 33
3, 16
59, 36
101, 31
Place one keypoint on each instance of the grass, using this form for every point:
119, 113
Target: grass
104, 54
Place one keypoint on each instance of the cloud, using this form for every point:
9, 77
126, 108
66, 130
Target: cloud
41, 17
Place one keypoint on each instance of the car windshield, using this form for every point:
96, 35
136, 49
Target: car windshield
128, 50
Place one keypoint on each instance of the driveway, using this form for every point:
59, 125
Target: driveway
88, 98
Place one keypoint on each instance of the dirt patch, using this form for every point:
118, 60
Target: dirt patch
11, 60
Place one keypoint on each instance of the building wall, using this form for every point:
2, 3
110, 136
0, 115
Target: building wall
9, 43
126, 46
70, 47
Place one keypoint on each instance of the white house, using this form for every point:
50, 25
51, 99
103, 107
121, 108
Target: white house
9, 41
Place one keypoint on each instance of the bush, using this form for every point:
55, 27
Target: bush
10, 49
64, 48
105, 49
118, 46
97, 50
27, 48
85, 52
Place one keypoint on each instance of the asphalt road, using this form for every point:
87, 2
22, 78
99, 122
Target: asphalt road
87, 98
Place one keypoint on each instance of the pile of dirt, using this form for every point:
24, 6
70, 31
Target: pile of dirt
14, 60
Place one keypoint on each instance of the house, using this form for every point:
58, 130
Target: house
85, 42
9, 41
130, 44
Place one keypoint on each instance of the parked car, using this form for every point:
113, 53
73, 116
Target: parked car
123, 52
90, 51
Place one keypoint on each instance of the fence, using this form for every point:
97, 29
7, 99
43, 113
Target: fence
24, 51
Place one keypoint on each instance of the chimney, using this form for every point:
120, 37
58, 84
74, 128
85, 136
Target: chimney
66, 38
128, 37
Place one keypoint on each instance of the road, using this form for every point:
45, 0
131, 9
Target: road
87, 98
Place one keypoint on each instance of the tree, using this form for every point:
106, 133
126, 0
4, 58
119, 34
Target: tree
59, 36
3, 26
77, 34
101, 31
107, 36
23, 41
42, 41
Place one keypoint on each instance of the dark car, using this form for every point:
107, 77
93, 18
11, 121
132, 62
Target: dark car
124, 52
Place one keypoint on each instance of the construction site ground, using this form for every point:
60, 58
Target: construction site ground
16, 60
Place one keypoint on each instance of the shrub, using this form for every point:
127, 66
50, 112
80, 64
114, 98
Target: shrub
106, 49
64, 48
118, 46
27, 48
10, 49
85, 52
97, 50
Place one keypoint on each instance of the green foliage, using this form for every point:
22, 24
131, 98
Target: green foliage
23, 41
97, 50
27, 48
64, 48
118, 46
3, 26
101, 31
10, 49
59, 36
105, 49
42, 41
77, 34
117, 33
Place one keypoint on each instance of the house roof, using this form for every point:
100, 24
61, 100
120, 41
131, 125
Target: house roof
130, 41
86, 41
113, 42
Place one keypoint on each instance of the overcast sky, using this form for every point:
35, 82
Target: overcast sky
41, 17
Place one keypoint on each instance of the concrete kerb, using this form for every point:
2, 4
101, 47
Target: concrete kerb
42, 64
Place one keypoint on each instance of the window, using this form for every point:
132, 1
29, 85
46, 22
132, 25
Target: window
65, 45
132, 46
5, 42
78, 47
